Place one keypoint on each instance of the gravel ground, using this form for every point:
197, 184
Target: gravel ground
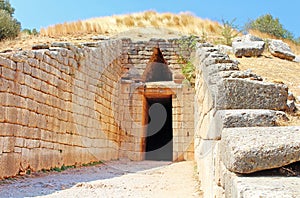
113, 179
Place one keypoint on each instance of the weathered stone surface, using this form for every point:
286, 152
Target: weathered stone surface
240, 74
291, 96
247, 38
250, 118
225, 49
275, 187
61, 44
238, 118
238, 93
91, 44
100, 38
247, 150
205, 163
281, 50
248, 49
291, 106
40, 46
248, 45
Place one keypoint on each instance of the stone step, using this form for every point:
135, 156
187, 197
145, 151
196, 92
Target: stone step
214, 123
248, 150
275, 187
235, 93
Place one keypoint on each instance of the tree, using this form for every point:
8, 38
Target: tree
5, 5
268, 24
9, 26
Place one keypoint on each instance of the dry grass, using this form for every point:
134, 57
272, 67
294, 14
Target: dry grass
83, 30
186, 23
273, 69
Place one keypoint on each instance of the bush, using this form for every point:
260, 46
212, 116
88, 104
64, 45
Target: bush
187, 45
30, 32
268, 24
9, 27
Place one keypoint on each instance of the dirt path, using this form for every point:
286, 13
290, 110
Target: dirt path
113, 179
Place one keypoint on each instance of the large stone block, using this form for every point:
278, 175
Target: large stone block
236, 93
247, 150
281, 50
275, 187
9, 164
204, 156
213, 122
248, 49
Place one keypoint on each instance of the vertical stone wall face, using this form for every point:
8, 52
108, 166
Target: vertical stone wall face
136, 55
226, 98
56, 107
73, 105
133, 96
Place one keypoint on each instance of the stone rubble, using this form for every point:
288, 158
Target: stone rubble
281, 50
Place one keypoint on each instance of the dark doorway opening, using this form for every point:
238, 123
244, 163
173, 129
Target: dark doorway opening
159, 140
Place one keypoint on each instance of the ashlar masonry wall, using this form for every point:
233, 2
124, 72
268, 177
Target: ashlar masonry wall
227, 98
56, 106
134, 93
76, 104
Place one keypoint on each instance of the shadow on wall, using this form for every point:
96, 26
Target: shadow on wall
157, 68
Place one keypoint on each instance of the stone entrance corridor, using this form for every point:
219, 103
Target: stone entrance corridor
113, 179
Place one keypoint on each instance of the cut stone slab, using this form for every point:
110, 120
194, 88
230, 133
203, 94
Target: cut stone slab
247, 38
240, 118
248, 150
250, 118
248, 45
248, 49
236, 93
281, 50
275, 187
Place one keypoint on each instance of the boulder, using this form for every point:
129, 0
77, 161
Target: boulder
248, 150
248, 46
281, 50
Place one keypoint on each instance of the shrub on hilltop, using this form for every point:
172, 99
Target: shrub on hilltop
9, 26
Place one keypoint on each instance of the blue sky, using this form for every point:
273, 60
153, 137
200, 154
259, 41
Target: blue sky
42, 13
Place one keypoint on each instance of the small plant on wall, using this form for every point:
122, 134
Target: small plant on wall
187, 46
229, 32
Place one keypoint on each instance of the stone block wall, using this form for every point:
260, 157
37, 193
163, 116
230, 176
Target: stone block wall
69, 104
133, 114
56, 106
136, 55
228, 98
133, 96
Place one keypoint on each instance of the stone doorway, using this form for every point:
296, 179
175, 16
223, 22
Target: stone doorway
159, 132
